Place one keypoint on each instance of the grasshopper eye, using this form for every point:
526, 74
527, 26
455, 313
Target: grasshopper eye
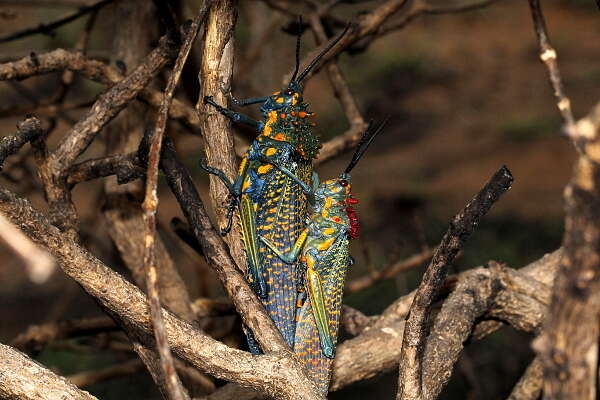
289, 92
343, 182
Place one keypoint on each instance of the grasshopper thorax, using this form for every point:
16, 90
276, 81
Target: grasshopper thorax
334, 201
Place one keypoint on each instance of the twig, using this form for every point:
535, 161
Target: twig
150, 204
46, 109
126, 167
35, 338
25, 379
46, 28
548, 56
421, 7
368, 24
87, 378
495, 292
340, 86
340, 144
54, 168
530, 385
389, 272
461, 227
60, 59
27, 130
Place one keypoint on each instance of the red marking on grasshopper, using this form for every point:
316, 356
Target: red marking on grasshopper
354, 225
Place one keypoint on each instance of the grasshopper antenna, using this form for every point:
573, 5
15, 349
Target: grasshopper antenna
365, 141
317, 58
298, 37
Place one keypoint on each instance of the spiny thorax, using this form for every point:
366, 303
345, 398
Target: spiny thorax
292, 125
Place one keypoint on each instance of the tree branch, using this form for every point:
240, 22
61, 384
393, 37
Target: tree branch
60, 59
548, 56
568, 348
530, 385
23, 379
173, 385
275, 373
461, 227
27, 130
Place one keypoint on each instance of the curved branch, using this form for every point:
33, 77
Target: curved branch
275, 373
461, 227
23, 379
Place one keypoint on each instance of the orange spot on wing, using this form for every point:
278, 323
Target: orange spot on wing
263, 169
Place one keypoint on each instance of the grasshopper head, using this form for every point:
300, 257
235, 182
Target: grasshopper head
287, 97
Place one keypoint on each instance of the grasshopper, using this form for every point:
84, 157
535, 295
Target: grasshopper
270, 203
322, 249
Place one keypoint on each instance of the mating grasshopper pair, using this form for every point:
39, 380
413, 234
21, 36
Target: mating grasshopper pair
291, 254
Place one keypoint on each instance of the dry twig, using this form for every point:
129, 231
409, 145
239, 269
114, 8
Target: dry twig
47, 28
150, 205
548, 56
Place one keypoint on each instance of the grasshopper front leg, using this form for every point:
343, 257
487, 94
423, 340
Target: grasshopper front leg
292, 256
248, 220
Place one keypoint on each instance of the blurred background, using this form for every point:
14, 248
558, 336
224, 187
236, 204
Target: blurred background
466, 94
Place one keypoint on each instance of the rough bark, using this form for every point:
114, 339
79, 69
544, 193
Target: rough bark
568, 348
23, 379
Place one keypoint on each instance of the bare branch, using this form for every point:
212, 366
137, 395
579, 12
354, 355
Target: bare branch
568, 348
495, 292
461, 227
173, 385
38, 262
355, 360
530, 385
27, 130
275, 373
216, 71
388, 272
354, 321
548, 56
23, 379
60, 59
47, 28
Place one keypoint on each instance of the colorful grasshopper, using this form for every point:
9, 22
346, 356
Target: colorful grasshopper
270, 203
322, 249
